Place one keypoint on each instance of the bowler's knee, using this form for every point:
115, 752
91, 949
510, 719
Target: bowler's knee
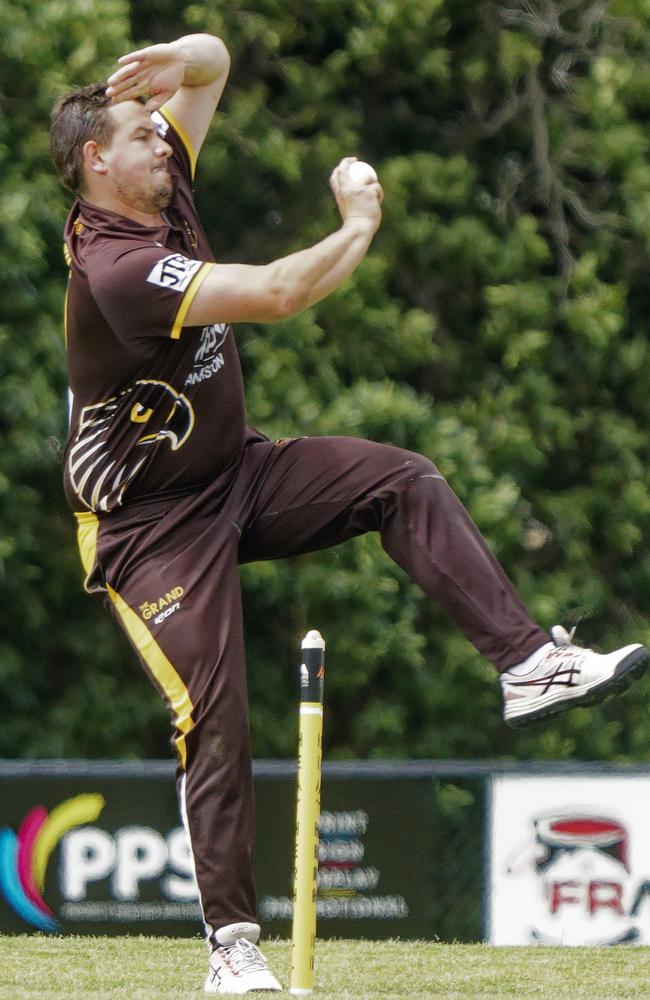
419, 467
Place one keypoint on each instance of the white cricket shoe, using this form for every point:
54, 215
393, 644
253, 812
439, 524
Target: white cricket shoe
566, 676
236, 965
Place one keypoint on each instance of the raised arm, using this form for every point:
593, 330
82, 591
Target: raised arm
233, 293
187, 76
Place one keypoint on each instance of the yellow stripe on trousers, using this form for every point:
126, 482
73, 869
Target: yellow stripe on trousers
160, 667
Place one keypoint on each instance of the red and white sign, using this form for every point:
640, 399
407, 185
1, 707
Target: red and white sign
569, 860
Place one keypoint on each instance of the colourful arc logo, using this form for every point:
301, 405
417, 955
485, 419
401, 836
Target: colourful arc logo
24, 856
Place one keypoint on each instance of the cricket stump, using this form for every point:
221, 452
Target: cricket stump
303, 935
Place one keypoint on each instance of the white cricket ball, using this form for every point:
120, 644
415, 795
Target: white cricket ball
362, 173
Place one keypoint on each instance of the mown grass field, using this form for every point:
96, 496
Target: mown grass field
173, 969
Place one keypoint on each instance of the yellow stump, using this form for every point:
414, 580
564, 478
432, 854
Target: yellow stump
303, 935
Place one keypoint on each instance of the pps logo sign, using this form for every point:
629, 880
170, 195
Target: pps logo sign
114, 867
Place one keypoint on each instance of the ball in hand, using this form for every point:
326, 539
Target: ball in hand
362, 173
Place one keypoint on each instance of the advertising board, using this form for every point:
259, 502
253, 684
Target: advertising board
569, 860
105, 853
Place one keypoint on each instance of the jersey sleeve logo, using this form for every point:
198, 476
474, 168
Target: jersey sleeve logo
174, 272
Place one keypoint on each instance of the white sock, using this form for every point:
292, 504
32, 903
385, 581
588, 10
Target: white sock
531, 661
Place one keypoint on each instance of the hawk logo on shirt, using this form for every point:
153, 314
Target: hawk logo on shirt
174, 272
106, 456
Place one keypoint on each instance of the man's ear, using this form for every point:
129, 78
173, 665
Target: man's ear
93, 158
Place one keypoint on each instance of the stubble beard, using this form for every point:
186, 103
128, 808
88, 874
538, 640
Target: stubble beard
150, 200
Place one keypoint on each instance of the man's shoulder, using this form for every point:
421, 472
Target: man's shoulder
99, 239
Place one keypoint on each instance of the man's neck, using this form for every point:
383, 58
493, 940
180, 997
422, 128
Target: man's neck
121, 208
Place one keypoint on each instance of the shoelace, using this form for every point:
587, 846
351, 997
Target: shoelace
561, 637
244, 957
567, 672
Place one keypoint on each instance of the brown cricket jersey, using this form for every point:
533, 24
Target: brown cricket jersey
156, 407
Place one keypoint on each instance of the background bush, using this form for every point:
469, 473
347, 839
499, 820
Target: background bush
498, 325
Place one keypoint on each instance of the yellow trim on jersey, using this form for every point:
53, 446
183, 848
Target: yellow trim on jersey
68, 259
161, 668
184, 137
87, 528
192, 289
65, 314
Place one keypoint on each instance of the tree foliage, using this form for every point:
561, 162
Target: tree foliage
68, 685
497, 325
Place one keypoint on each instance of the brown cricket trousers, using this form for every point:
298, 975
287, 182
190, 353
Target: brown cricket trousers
171, 570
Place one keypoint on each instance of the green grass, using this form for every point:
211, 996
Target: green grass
147, 968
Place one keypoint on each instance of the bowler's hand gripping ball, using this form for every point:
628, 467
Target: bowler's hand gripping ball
362, 173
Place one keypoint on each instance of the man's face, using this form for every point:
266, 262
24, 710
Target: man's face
137, 159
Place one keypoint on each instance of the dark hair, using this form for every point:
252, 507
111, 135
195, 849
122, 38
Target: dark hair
76, 118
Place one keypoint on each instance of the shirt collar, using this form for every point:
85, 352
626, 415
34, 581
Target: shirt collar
95, 217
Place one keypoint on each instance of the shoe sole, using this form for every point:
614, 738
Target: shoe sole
629, 669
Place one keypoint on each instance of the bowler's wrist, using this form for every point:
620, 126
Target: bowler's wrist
180, 50
361, 224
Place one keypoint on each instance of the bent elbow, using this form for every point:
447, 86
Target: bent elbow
287, 300
289, 305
